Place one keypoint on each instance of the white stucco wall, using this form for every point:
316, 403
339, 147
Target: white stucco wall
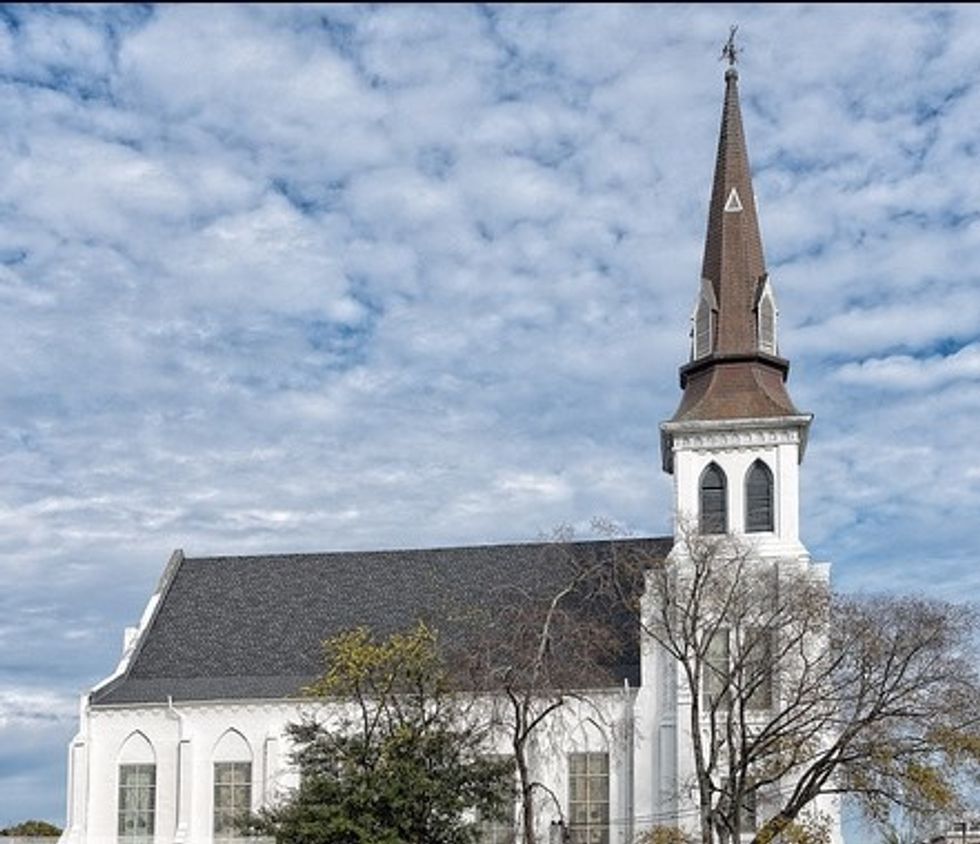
186, 741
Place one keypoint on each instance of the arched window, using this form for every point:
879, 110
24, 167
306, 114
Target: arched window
758, 498
714, 500
232, 784
136, 809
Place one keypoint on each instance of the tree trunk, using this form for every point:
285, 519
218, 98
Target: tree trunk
527, 804
706, 836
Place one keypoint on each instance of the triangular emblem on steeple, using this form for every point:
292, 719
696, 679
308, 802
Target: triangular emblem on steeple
735, 373
733, 203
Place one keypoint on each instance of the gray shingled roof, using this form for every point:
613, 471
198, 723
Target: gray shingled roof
252, 627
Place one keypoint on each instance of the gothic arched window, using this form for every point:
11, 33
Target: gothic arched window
232, 784
136, 809
714, 500
758, 498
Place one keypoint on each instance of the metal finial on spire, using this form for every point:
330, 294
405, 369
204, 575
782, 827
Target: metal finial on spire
730, 51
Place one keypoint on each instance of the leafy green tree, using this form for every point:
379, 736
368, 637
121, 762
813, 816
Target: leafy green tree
399, 757
31, 829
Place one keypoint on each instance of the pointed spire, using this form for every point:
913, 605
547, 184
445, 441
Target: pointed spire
733, 258
734, 372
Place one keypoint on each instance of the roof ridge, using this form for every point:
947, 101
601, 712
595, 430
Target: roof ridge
427, 548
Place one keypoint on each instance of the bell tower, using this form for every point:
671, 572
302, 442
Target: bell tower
735, 443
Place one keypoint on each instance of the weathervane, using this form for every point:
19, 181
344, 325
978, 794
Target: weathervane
730, 51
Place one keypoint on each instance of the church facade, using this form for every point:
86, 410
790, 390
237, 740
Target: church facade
190, 729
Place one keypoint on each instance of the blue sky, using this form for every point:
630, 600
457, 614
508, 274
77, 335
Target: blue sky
302, 278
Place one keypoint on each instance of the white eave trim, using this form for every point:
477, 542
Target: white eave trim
707, 425
800, 422
134, 642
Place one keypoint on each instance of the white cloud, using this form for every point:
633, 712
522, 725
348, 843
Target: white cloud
902, 372
21, 707
305, 278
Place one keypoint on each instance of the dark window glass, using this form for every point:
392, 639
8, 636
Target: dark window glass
714, 501
758, 499
757, 659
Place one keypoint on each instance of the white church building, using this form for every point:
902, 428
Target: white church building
190, 728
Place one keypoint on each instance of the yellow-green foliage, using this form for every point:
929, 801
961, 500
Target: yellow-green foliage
663, 835
929, 784
959, 745
810, 830
31, 829
358, 663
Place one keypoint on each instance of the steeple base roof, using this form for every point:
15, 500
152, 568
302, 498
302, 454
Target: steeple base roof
735, 386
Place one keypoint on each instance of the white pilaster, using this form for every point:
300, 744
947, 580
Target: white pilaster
185, 791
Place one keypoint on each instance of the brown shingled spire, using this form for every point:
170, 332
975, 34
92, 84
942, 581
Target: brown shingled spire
734, 372
733, 260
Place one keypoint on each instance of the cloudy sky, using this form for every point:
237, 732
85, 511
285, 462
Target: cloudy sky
286, 279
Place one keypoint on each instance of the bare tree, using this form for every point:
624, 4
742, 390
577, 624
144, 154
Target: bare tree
538, 651
792, 692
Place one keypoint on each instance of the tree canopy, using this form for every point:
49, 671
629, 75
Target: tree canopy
32, 829
404, 759
793, 692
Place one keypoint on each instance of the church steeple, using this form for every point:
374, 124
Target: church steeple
735, 371
733, 260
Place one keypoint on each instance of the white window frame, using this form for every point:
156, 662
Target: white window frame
136, 801
236, 777
587, 829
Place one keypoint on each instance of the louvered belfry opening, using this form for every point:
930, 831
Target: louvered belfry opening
767, 325
714, 500
758, 498
702, 328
